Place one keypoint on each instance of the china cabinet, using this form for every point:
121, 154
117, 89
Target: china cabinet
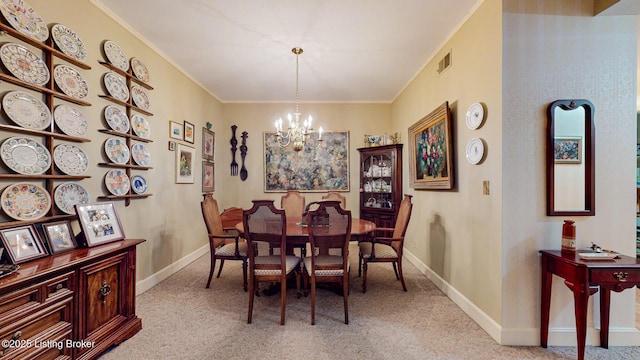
380, 183
135, 102
53, 134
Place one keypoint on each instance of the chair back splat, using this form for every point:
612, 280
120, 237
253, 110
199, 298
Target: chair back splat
293, 203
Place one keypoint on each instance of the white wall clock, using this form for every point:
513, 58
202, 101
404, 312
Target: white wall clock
475, 151
475, 116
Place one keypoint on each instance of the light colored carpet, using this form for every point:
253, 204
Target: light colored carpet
183, 320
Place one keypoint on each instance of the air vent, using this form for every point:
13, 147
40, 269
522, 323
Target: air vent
445, 63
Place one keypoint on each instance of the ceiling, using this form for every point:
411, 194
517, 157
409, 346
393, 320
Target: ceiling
240, 50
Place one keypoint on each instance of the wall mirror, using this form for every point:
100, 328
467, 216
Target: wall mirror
570, 158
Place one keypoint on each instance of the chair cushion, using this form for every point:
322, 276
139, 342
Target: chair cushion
382, 251
292, 263
325, 260
230, 249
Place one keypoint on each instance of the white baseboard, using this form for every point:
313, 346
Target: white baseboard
523, 337
153, 280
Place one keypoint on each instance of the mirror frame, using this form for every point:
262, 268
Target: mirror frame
588, 156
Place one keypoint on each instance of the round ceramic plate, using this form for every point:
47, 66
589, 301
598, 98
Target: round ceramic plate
140, 126
116, 118
140, 154
116, 86
25, 156
116, 55
475, 115
68, 42
475, 151
25, 201
25, 19
117, 150
70, 159
117, 182
140, 97
139, 69
70, 81
26, 110
138, 184
70, 120
68, 194
24, 64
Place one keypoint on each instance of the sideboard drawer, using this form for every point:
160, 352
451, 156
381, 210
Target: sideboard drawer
615, 276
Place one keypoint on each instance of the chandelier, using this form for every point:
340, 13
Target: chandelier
296, 133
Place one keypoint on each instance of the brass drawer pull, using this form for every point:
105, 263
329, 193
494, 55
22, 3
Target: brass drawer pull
58, 287
621, 276
104, 291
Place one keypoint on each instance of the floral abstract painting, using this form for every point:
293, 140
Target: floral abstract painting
319, 167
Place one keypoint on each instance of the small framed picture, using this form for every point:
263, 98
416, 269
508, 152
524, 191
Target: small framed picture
567, 150
22, 244
189, 132
185, 164
59, 236
175, 130
99, 222
172, 146
208, 142
208, 182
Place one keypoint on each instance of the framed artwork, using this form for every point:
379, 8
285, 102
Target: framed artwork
208, 180
321, 166
59, 236
430, 151
175, 130
185, 157
172, 146
208, 142
567, 150
189, 132
99, 222
22, 244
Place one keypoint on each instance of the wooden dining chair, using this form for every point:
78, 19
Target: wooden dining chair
329, 228
334, 195
293, 203
264, 223
224, 241
386, 245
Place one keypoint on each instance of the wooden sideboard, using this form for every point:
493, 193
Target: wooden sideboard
72, 305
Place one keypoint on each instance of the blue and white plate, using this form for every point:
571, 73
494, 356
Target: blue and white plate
138, 184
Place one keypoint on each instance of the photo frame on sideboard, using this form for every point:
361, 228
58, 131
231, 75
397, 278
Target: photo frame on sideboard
99, 222
59, 236
22, 244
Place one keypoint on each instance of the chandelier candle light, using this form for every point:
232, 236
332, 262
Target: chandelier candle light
296, 132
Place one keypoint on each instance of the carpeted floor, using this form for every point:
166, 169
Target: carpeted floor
183, 320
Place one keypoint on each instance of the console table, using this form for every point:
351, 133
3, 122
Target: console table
584, 278
72, 305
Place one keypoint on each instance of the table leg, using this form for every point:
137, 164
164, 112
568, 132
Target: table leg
581, 300
605, 301
545, 301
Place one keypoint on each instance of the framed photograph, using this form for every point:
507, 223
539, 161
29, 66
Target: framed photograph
208, 181
175, 130
99, 222
321, 166
185, 167
59, 236
208, 142
22, 244
430, 151
567, 150
189, 132
172, 146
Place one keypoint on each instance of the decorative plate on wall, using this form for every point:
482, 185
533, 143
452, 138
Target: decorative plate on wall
117, 150
475, 116
140, 97
138, 184
116, 86
68, 194
26, 110
25, 201
140, 154
24, 64
140, 126
22, 17
68, 42
116, 118
117, 182
70, 81
475, 151
116, 55
139, 69
70, 120
70, 159
25, 155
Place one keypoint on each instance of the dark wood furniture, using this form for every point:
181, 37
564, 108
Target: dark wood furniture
387, 245
224, 242
334, 195
585, 278
293, 203
329, 229
380, 183
72, 305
